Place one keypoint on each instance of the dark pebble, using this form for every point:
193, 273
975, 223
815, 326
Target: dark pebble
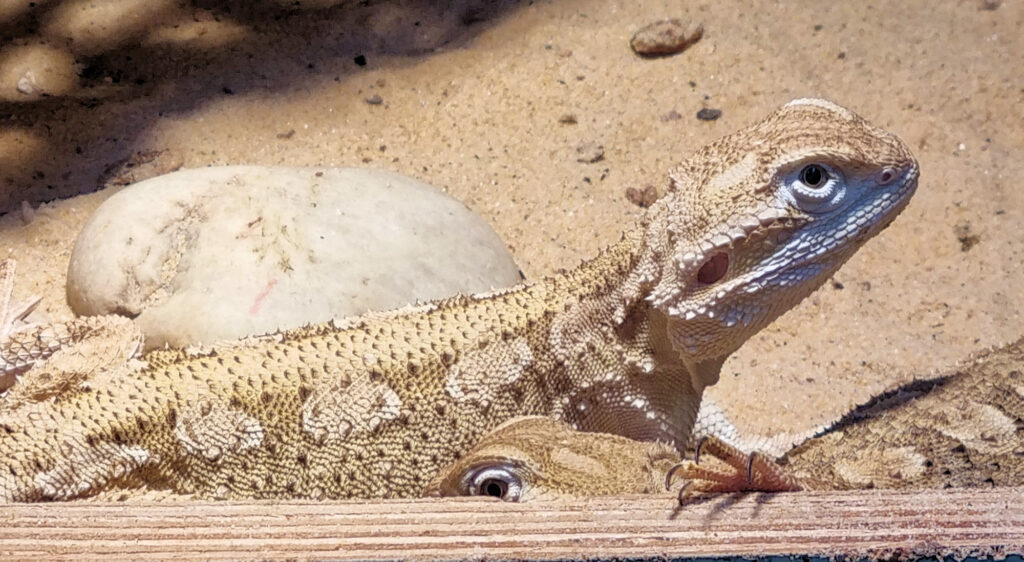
708, 114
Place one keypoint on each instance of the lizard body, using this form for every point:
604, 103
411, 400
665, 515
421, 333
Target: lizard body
962, 429
374, 406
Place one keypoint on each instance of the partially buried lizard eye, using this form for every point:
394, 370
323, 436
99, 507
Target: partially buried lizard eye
814, 176
494, 487
499, 482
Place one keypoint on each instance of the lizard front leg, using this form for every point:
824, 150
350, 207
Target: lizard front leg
743, 472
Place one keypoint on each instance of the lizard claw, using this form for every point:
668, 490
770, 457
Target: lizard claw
754, 472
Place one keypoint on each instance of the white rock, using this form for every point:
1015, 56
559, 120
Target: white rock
219, 253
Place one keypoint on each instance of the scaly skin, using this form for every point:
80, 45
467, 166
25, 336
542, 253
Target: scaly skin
962, 429
71, 351
374, 406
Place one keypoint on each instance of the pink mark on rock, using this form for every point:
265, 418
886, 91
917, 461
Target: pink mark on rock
255, 308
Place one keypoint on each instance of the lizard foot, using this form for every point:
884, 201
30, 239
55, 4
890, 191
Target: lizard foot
754, 472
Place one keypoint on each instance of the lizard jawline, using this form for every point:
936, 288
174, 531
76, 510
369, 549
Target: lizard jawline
891, 205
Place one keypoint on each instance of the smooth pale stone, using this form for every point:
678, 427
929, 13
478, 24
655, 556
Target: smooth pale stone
219, 253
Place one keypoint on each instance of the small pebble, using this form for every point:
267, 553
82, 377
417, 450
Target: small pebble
375, 99
589, 152
28, 214
642, 197
708, 114
26, 84
665, 37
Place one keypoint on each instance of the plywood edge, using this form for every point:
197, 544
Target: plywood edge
983, 522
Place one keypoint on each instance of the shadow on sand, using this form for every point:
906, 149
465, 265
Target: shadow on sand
80, 82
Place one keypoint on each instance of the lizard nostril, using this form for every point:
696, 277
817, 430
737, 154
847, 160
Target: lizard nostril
714, 269
886, 176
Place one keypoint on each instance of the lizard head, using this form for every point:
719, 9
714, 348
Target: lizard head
759, 219
537, 457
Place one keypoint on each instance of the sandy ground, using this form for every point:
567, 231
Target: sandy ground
474, 98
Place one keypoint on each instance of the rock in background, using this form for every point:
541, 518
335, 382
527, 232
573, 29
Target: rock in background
219, 253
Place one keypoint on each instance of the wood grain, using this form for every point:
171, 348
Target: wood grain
875, 523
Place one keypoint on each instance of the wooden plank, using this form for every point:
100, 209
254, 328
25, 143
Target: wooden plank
859, 523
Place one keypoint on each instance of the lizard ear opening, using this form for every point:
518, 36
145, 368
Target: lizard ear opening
714, 269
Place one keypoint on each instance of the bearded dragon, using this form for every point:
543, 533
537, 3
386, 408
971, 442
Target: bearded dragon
375, 406
961, 429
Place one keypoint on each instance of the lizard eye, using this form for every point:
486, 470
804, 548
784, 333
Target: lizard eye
814, 176
499, 482
494, 487
815, 188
